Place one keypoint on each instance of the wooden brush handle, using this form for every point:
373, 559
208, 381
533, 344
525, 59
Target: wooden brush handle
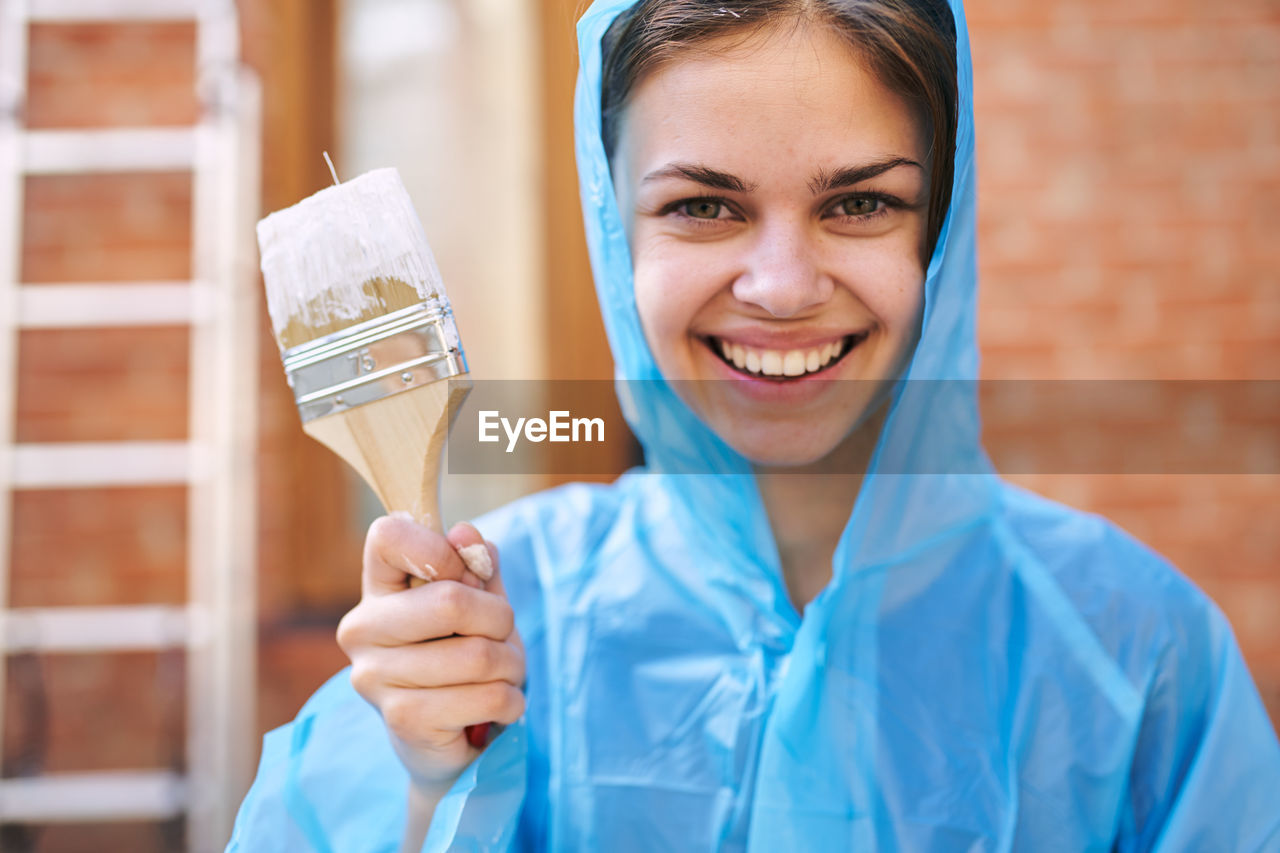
396, 444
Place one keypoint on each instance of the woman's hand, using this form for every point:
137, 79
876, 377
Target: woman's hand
432, 658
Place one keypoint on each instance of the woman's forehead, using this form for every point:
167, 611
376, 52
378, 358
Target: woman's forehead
796, 91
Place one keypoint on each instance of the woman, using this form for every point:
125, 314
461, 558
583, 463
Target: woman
780, 209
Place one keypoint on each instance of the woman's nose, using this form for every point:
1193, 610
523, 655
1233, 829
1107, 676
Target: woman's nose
782, 274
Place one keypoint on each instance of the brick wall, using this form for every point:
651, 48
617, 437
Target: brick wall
67, 713
1129, 195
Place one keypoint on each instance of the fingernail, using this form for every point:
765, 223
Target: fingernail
478, 560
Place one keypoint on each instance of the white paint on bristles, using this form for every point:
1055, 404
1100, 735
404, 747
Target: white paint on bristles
318, 254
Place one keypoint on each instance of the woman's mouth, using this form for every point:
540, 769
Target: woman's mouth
781, 364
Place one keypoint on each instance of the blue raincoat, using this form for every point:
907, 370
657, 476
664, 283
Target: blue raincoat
986, 670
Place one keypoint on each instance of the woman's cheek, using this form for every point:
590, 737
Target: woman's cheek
889, 283
659, 295
671, 287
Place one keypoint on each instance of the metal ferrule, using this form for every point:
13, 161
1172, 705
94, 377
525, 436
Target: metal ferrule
371, 360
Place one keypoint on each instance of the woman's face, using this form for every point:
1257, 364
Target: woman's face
775, 197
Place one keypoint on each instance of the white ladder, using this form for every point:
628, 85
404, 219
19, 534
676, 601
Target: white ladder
216, 463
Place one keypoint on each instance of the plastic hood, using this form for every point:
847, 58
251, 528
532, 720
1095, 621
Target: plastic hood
932, 427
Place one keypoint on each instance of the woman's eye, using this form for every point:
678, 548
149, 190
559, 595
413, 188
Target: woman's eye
703, 208
859, 206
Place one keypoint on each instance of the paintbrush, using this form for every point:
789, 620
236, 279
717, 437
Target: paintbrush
367, 338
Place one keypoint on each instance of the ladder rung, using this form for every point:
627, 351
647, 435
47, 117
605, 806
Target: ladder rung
105, 796
142, 149
95, 464
112, 10
66, 306
94, 629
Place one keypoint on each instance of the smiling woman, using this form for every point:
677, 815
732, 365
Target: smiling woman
779, 262
782, 295
815, 619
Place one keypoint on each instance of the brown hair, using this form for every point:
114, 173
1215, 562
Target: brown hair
909, 44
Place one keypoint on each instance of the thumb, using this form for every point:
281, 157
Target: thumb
495, 586
494, 583
480, 557
469, 542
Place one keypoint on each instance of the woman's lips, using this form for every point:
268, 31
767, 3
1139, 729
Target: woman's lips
782, 364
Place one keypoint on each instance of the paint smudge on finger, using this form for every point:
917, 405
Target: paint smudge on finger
425, 572
478, 560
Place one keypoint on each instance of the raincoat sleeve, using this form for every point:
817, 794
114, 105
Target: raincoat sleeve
330, 781
1206, 767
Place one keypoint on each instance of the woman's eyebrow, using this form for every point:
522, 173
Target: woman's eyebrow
826, 181
704, 175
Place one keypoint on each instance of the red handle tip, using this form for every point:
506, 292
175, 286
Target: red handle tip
478, 735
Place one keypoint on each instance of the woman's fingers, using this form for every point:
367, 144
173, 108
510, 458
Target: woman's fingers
426, 613
398, 549
476, 554
449, 710
431, 648
494, 583
448, 661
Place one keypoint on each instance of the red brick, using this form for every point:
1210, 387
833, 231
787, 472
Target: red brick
293, 660
102, 385
118, 227
100, 75
99, 837
101, 712
78, 547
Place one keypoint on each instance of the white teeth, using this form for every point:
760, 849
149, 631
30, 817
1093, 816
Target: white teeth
779, 362
793, 363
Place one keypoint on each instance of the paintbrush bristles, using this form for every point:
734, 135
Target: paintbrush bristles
350, 253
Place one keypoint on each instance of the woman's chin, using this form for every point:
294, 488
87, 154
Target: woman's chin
839, 446
784, 449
